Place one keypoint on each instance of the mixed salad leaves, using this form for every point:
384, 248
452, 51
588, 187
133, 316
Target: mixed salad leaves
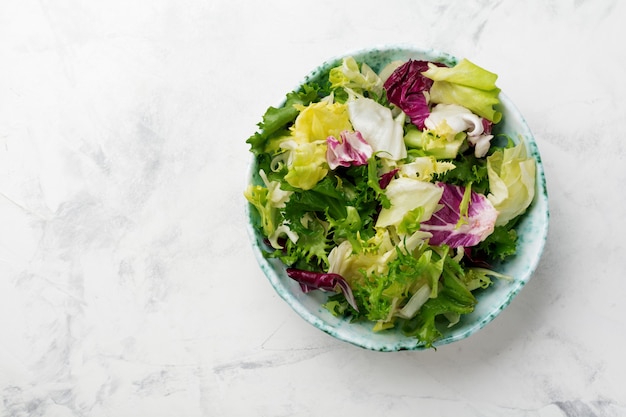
390, 190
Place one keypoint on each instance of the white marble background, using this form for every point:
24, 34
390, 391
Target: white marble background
127, 285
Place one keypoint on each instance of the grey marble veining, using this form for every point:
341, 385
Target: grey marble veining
127, 283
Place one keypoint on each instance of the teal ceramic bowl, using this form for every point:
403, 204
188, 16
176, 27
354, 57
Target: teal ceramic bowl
532, 232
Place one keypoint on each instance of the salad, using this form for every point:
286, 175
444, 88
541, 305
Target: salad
392, 191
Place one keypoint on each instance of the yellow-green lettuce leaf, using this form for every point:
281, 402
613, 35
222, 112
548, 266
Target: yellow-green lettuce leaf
511, 182
306, 162
467, 85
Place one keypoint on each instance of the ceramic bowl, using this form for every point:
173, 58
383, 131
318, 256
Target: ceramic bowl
532, 233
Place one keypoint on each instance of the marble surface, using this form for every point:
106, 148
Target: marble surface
127, 283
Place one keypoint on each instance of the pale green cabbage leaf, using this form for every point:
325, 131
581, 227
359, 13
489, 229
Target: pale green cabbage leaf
511, 182
467, 85
406, 195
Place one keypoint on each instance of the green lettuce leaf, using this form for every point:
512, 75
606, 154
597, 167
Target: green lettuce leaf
468, 168
432, 144
499, 245
453, 299
257, 195
334, 210
383, 295
310, 252
359, 80
467, 85
276, 120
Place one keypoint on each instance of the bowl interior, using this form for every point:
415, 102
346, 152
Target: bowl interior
532, 233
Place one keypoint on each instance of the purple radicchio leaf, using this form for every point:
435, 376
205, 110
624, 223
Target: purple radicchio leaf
386, 178
446, 224
475, 261
405, 88
324, 281
351, 150
487, 125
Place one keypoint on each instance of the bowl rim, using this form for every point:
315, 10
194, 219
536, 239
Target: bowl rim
540, 201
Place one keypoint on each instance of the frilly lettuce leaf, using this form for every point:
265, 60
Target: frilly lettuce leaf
467, 85
499, 245
385, 295
257, 195
349, 75
374, 255
511, 182
468, 169
372, 258
267, 201
275, 120
453, 298
310, 251
425, 168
